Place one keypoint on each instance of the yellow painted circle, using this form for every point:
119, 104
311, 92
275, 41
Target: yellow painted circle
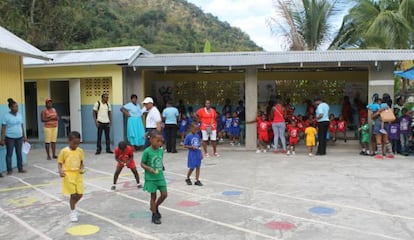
82, 230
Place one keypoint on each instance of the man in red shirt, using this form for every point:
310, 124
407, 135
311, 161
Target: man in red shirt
208, 120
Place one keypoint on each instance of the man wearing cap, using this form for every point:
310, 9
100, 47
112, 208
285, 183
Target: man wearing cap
50, 119
322, 116
102, 114
153, 119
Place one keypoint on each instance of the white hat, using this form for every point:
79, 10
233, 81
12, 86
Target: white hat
148, 100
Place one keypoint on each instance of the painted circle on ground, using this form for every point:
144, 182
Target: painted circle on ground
188, 204
322, 210
231, 193
82, 230
285, 226
140, 214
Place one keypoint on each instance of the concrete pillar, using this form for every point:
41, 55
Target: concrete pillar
381, 79
251, 107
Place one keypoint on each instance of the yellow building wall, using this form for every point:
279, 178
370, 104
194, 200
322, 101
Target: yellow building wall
43, 74
11, 78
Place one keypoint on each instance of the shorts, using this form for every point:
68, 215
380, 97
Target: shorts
293, 141
263, 136
152, 186
235, 132
194, 163
72, 183
206, 136
50, 134
310, 142
130, 165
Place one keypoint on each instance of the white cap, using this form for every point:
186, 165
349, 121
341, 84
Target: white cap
148, 100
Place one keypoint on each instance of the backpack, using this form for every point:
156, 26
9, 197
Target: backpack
99, 105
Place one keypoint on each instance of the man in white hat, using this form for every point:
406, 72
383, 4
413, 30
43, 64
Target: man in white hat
153, 119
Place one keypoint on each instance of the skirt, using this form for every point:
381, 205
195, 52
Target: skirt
135, 131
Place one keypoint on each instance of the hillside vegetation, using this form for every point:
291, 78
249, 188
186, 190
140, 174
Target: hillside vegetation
161, 26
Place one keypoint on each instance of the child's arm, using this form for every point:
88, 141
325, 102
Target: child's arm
147, 168
61, 172
82, 168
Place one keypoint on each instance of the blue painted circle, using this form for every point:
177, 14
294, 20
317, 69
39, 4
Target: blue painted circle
232, 193
322, 210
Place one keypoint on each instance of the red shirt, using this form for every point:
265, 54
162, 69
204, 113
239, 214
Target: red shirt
341, 126
207, 118
278, 114
332, 125
263, 126
293, 131
124, 156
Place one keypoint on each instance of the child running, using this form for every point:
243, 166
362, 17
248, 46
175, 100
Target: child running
310, 133
364, 130
70, 166
152, 163
193, 143
124, 155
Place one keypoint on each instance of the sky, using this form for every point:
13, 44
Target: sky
248, 15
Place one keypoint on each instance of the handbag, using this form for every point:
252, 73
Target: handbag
387, 115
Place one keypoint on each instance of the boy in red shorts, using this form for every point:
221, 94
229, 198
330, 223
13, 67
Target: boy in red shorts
124, 155
263, 127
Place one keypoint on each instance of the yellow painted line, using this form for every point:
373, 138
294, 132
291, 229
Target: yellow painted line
56, 183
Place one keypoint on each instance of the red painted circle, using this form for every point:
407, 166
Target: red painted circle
188, 204
280, 225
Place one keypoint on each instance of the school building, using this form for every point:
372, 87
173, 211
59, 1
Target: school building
76, 79
12, 51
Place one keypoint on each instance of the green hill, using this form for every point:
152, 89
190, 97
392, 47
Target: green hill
161, 26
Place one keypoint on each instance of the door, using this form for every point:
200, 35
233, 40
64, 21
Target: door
75, 105
30, 96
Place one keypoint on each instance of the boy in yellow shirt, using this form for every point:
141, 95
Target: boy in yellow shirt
70, 165
310, 133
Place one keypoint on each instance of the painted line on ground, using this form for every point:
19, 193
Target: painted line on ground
273, 212
304, 199
52, 183
24, 224
115, 223
234, 227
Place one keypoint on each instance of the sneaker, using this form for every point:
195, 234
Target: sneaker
221, 140
198, 183
379, 156
383, 131
268, 146
275, 151
113, 187
390, 155
207, 155
158, 214
188, 181
345, 140
288, 153
73, 216
293, 153
310, 154
155, 219
109, 151
238, 144
182, 143
258, 151
362, 153
264, 150
216, 154
139, 185
284, 151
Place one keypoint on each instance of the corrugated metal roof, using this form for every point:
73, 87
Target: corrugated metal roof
10, 43
269, 58
115, 55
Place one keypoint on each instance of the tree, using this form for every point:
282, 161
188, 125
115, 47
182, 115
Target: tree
305, 24
384, 24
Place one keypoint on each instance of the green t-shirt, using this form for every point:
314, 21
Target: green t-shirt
365, 132
153, 158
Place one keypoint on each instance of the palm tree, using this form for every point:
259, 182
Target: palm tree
305, 24
385, 24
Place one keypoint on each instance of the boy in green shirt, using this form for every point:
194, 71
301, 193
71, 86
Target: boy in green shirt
154, 175
364, 129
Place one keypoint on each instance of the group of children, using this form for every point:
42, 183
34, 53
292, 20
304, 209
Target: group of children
71, 168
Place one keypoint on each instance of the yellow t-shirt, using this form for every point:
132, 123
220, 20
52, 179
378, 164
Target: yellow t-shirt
310, 133
71, 159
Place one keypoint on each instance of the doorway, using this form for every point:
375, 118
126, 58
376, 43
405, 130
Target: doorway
30, 96
59, 92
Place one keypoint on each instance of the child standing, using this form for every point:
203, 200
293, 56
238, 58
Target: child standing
235, 129
405, 130
394, 135
342, 126
124, 155
152, 163
310, 133
293, 137
70, 166
192, 142
332, 126
364, 130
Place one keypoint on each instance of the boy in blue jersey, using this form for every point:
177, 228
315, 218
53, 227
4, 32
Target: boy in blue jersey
193, 143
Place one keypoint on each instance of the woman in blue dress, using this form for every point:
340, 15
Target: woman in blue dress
135, 127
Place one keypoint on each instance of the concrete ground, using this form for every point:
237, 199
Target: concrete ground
245, 196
